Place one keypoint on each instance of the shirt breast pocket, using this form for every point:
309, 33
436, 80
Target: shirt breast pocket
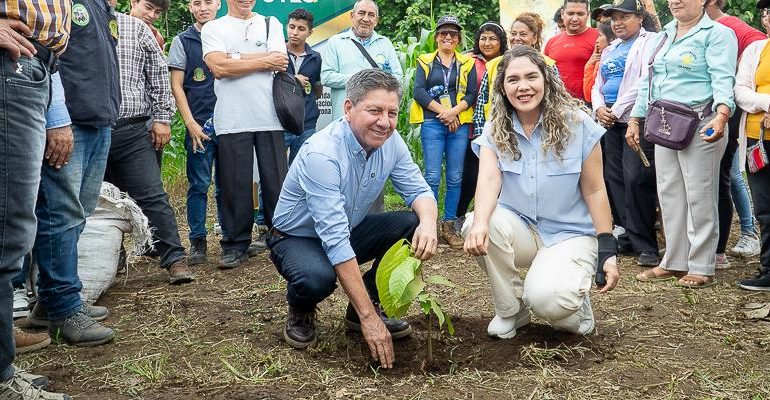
510, 166
564, 173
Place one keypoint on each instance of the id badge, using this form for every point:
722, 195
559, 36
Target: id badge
445, 101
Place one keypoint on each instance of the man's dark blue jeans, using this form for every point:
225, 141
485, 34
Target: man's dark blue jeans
24, 95
310, 275
67, 197
199, 168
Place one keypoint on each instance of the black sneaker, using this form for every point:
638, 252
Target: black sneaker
760, 283
232, 258
398, 328
300, 328
647, 259
197, 252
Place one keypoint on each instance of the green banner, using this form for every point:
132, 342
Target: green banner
323, 10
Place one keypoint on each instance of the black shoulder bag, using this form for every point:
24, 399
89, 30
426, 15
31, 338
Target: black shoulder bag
288, 97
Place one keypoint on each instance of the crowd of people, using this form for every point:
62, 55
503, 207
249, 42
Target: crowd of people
557, 155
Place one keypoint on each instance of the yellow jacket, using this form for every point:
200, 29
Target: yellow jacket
425, 61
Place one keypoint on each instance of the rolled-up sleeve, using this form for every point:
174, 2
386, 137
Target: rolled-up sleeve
406, 176
326, 204
721, 58
57, 115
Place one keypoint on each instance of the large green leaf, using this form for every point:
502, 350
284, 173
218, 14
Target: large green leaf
413, 289
395, 262
436, 308
400, 278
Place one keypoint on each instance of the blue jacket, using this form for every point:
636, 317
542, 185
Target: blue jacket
198, 80
311, 68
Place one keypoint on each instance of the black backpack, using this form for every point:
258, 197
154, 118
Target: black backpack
288, 97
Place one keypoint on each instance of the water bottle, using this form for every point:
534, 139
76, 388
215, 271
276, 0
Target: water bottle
208, 129
386, 67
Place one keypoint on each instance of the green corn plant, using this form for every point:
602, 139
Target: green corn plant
400, 281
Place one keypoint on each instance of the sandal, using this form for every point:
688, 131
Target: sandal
658, 274
699, 281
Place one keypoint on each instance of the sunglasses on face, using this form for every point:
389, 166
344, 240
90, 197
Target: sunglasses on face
451, 34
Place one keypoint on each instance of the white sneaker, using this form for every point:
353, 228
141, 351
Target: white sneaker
505, 327
747, 246
20, 303
587, 323
218, 229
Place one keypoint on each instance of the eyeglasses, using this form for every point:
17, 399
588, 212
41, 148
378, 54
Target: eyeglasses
451, 34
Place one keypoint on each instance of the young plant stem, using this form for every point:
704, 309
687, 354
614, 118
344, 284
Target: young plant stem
430, 338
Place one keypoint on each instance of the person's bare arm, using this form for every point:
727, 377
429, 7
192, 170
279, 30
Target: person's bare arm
374, 330
223, 66
193, 128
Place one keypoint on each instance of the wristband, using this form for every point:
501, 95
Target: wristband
607, 247
633, 122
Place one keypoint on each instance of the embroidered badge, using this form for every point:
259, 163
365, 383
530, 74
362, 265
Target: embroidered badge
80, 16
380, 59
199, 75
687, 59
114, 28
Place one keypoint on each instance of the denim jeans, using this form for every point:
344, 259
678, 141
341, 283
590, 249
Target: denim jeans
66, 198
294, 142
24, 97
310, 275
438, 143
132, 167
199, 168
740, 193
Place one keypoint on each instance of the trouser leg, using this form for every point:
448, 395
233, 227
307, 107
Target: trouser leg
271, 160
470, 177
512, 244
725, 202
759, 182
235, 154
641, 198
614, 140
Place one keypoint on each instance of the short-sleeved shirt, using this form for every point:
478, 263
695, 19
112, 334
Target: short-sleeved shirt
571, 53
245, 103
543, 190
612, 69
332, 184
177, 58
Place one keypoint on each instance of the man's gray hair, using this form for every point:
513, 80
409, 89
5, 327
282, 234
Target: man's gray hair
364, 81
358, 2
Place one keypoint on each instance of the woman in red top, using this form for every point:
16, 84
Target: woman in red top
490, 42
589, 73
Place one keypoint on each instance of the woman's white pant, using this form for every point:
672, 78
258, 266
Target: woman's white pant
557, 285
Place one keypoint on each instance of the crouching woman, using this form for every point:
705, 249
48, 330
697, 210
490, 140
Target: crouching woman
540, 201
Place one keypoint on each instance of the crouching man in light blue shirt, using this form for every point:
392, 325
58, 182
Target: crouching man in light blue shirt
321, 229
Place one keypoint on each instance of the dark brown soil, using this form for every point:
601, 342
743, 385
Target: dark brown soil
221, 338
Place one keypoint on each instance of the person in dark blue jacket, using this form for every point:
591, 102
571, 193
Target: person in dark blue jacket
192, 84
305, 64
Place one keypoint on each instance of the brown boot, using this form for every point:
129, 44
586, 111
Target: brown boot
26, 342
180, 272
447, 231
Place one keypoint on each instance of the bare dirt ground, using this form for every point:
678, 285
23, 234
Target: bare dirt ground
221, 338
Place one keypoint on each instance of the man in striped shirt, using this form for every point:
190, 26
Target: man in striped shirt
30, 41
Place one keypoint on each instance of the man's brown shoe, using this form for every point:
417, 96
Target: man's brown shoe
179, 272
447, 231
26, 342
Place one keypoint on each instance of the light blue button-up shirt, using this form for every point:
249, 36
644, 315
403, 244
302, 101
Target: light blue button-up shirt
340, 59
697, 67
541, 189
331, 185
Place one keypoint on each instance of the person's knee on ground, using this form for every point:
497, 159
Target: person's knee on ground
558, 299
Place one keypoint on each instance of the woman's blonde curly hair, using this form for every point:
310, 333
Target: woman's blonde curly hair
558, 107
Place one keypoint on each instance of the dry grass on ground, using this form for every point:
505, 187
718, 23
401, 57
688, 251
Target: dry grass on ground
220, 338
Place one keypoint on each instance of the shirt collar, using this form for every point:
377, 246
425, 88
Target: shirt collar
518, 129
705, 23
349, 34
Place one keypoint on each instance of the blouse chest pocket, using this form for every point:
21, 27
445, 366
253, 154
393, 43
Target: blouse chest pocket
510, 166
563, 174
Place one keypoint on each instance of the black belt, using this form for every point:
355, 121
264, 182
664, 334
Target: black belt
131, 120
46, 56
277, 234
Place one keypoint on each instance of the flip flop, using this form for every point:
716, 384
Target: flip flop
658, 274
701, 281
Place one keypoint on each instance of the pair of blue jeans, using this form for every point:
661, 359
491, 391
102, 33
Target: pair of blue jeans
66, 198
438, 143
24, 96
199, 169
740, 193
294, 142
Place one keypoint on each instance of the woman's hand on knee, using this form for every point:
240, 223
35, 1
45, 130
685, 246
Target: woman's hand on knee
477, 240
612, 274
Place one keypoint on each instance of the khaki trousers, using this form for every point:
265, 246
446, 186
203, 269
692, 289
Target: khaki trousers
557, 285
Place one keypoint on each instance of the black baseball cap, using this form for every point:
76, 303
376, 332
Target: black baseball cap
448, 20
600, 10
763, 4
626, 6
